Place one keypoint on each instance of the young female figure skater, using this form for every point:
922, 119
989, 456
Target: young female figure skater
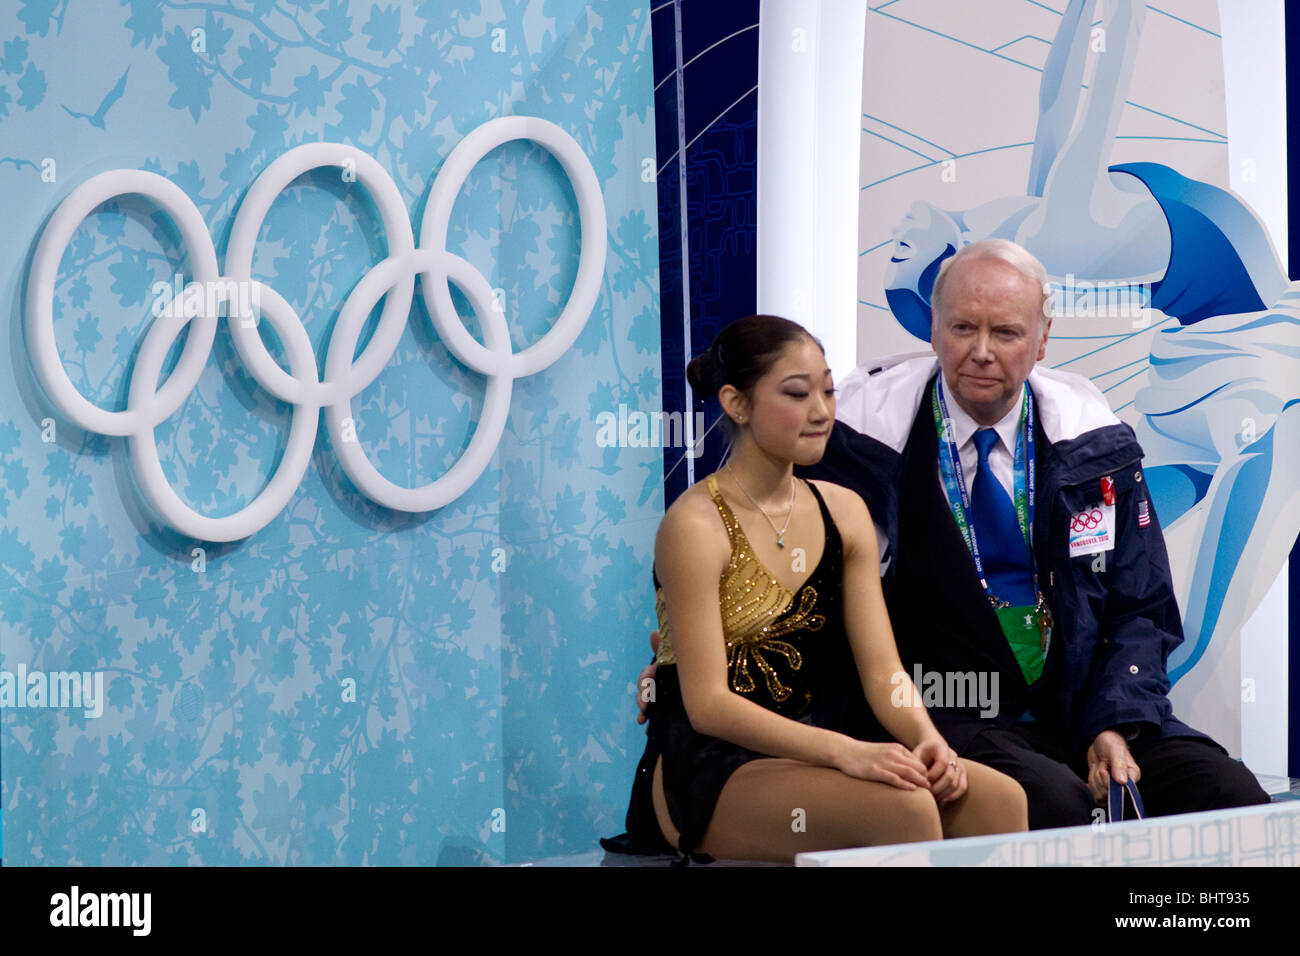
757, 575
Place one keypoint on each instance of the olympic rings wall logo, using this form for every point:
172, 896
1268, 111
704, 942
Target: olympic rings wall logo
1085, 520
148, 405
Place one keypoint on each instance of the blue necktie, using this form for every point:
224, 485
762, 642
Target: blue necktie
1002, 546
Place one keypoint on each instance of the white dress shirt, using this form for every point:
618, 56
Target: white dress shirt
1000, 457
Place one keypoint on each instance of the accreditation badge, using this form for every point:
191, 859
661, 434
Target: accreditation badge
1023, 629
1092, 530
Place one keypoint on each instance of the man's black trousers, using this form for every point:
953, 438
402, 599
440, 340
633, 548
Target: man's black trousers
1178, 774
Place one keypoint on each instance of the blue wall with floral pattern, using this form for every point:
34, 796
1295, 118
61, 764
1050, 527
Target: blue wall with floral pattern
491, 643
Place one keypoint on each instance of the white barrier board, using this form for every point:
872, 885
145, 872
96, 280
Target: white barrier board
1266, 835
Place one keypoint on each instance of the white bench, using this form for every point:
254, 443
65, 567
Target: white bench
1267, 835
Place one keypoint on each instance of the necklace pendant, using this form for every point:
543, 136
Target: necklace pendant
780, 542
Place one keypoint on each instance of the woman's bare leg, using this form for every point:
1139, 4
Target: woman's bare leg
993, 803
771, 809
666, 827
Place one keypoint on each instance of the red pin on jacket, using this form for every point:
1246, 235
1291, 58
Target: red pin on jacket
1108, 490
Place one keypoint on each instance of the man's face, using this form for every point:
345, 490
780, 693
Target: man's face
988, 333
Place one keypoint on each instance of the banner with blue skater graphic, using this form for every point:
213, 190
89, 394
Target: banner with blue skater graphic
1097, 136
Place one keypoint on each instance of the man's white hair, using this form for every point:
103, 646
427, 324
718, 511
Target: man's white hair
1014, 255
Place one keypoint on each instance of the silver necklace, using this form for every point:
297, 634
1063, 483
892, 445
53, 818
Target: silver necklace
780, 535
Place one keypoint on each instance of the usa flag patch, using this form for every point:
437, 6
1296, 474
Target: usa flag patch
1144, 514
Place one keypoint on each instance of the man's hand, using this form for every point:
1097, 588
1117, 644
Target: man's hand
647, 674
944, 772
1109, 759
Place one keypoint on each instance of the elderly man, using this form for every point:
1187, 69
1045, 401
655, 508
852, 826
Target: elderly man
1022, 553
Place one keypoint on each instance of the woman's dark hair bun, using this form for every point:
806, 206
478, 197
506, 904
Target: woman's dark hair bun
705, 374
742, 353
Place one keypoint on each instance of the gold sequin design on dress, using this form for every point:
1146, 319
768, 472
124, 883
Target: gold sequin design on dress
750, 599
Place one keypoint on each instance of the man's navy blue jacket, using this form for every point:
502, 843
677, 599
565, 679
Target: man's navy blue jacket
1116, 616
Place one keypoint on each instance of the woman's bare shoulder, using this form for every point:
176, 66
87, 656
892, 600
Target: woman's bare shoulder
692, 532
